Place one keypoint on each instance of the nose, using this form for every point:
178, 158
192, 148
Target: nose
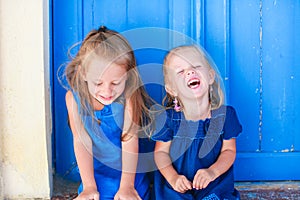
191, 72
106, 90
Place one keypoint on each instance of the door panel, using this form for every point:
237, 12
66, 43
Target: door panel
244, 70
255, 45
67, 31
281, 98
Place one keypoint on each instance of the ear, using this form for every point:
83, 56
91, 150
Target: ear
212, 75
170, 90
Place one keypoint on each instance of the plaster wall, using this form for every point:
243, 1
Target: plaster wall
25, 117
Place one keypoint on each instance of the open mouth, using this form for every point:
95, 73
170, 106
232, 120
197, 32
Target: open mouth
193, 83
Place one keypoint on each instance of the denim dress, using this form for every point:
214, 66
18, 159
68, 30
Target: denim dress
196, 145
107, 151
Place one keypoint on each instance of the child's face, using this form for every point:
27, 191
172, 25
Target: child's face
189, 76
106, 82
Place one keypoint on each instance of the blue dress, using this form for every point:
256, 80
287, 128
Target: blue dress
107, 154
197, 145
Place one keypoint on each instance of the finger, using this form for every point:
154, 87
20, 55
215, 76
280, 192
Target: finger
205, 184
202, 183
187, 184
137, 196
196, 182
116, 198
179, 187
181, 190
96, 197
184, 187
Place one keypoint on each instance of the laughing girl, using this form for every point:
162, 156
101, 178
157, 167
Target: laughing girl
196, 146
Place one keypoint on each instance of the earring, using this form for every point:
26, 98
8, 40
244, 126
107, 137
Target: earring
176, 106
210, 93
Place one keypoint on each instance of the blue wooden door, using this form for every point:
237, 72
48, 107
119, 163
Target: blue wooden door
255, 44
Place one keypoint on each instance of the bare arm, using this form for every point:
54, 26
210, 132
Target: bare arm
83, 150
227, 156
129, 158
163, 161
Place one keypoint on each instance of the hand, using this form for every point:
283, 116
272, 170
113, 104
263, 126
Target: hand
88, 194
181, 184
127, 193
202, 178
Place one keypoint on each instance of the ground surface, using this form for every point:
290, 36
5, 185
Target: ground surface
66, 190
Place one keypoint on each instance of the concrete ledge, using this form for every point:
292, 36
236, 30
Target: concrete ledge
269, 190
65, 189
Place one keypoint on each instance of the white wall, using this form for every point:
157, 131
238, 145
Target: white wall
25, 118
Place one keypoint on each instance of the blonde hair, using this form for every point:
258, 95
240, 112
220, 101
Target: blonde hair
217, 93
109, 46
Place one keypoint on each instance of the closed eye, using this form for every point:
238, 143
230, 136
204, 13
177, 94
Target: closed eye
98, 84
180, 71
115, 83
118, 81
197, 66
